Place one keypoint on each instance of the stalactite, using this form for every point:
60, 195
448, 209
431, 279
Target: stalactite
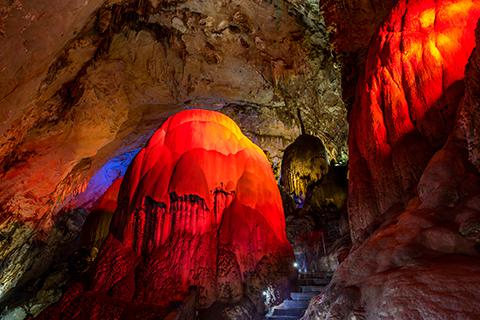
304, 163
139, 235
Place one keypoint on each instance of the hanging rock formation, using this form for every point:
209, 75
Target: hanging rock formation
304, 163
198, 206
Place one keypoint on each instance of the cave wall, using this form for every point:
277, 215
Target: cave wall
407, 103
353, 24
78, 104
470, 116
414, 180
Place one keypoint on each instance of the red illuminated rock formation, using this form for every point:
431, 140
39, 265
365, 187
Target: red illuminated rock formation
414, 187
470, 116
198, 206
407, 102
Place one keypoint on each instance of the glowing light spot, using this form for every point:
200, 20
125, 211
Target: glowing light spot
434, 50
414, 50
460, 7
427, 18
444, 41
105, 176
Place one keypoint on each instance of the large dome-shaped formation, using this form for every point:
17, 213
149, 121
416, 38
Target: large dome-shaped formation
198, 206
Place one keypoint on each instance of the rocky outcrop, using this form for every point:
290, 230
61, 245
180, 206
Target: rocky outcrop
352, 25
470, 115
406, 105
193, 210
77, 237
97, 225
411, 202
51, 269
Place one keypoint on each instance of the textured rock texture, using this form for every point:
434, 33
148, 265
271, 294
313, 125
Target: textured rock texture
414, 184
85, 83
193, 210
406, 105
471, 109
77, 104
314, 200
305, 163
76, 238
319, 229
352, 25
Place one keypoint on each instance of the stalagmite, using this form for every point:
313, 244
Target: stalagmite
198, 194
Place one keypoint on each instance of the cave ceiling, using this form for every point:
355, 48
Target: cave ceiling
98, 83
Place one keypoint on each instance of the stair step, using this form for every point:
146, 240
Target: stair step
281, 311
289, 303
310, 284
270, 317
315, 275
312, 288
307, 282
306, 296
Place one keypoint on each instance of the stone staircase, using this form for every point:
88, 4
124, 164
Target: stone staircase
308, 286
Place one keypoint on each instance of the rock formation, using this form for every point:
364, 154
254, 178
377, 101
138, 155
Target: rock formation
406, 105
198, 206
414, 190
97, 225
305, 162
317, 194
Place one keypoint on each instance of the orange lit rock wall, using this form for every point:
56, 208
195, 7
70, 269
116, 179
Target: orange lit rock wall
414, 200
199, 206
406, 102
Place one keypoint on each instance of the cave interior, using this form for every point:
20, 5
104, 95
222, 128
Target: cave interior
239, 159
